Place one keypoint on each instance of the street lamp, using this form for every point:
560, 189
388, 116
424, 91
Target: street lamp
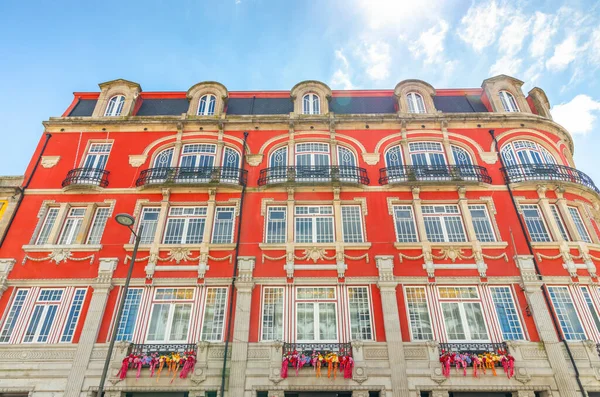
127, 221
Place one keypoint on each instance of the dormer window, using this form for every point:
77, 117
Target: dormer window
508, 101
415, 103
311, 104
115, 106
207, 105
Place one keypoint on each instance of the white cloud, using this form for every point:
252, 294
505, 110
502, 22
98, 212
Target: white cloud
430, 43
532, 74
514, 34
544, 27
376, 58
341, 77
480, 25
564, 54
578, 115
595, 47
394, 14
506, 65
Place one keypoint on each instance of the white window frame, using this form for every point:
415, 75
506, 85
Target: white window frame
408, 238
209, 100
50, 219
316, 302
271, 335
218, 311
534, 237
133, 299
314, 216
96, 230
268, 235
146, 236
569, 333
487, 217
362, 324
173, 303
216, 224
310, 99
442, 216
508, 100
591, 306
562, 229
461, 301
70, 235
580, 227
17, 307
186, 222
416, 103
347, 236
46, 305
114, 106
415, 322
510, 302
73, 315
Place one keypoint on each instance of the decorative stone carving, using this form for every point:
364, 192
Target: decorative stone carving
59, 255
489, 157
181, 254
385, 265
137, 160
105, 269
203, 266
341, 269
254, 159
245, 268
49, 161
371, 158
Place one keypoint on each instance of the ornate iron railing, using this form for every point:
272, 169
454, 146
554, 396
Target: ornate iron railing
314, 174
474, 347
161, 348
547, 172
86, 176
433, 173
192, 175
343, 349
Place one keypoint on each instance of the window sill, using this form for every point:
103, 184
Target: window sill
327, 246
467, 244
191, 247
71, 247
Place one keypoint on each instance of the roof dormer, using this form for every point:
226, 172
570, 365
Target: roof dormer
207, 99
415, 96
117, 98
541, 102
311, 97
505, 94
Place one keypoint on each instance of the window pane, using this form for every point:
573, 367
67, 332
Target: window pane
405, 224
305, 323
149, 221
47, 323
129, 317
98, 226
276, 225
74, 313
581, 229
304, 230
174, 233
351, 224
158, 322
566, 313
433, 228
223, 229
481, 222
507, 313
324, 230
591, 306
475, 320
13, 315
47, 226
214, 314
181, 322
272, 318
195, 231
453, 321
33, 323
418, 314
360, 313
454, 228
327, 321
559, 223
535, 223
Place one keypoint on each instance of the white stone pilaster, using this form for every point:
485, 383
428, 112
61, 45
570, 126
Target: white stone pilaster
6, 265
93, 319
241, 327
391, 318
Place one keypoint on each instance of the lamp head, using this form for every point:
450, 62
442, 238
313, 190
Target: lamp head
125, 219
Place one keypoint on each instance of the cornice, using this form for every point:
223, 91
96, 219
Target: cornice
486, 120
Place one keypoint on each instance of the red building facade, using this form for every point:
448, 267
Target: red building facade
396, 232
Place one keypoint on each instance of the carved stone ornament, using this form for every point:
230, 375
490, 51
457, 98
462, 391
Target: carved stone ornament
371, 158
49, 161
489, 157
137, 160
59, 255
385, 265
254, 159
245, 268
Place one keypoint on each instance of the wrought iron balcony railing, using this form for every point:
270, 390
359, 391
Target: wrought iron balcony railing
161, 348
474, 347
547, 172
192, 175
342, 349
87, 177
433, 173
314, 174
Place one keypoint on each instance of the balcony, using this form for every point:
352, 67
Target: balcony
192, 176
547, 172
433, 173
86, 177
472, 347
160, 348
342, 349
315, 174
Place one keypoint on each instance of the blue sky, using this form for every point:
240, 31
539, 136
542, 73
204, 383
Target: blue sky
51, 49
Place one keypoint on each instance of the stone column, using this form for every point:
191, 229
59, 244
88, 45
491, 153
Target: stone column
93, 320
241, 327
210, 215
6, 265
387, 286
541, 314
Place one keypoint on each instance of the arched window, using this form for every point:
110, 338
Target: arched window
395, 164
278, 162
163, 160
508, 101
526, 152
279, 157
231, 166
427, 154
115, 106
207, 105
415, 103
347, 164
461, 156
313, 161
311, 104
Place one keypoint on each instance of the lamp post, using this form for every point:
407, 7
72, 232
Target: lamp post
127, 221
